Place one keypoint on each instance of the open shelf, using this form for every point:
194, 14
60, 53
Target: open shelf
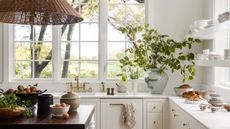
213, 63
220, 30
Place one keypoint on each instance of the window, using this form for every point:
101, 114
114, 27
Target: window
222, 74
90, 49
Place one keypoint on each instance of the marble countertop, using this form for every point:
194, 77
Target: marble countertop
217, 120
101, 95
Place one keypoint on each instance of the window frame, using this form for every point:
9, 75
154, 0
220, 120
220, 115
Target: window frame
8, 52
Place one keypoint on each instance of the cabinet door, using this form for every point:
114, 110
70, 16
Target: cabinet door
154, 121
95, 122
111, 113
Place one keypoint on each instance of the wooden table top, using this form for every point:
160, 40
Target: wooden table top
79, 119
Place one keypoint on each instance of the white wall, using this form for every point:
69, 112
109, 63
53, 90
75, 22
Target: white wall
171, 17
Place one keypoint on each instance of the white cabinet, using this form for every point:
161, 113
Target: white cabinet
95, 123
154, 114
178, 119
111, 113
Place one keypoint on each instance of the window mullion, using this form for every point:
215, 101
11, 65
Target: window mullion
56, 52
103, 32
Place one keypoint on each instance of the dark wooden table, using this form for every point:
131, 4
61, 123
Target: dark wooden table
79, 119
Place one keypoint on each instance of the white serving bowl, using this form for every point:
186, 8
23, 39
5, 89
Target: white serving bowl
180, 91
59, 110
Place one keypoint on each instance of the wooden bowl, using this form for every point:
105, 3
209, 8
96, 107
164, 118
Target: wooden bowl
6, 113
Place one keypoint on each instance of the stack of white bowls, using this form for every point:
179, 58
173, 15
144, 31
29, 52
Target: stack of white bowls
226, 54
216, 100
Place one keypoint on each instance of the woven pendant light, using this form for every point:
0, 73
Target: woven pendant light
38, 12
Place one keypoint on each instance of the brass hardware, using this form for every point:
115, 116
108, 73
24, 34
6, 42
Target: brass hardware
80, 87
175, 115
154, 107
154, 122
116, 104
84, 86
184, 124
173, 110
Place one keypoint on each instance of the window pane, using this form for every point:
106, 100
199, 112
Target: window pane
23, 51
116, 50
43, 33
23, 69
45, 72
89, 51
114, 34
126, 1
89, 1
43, 51
70, 51
22, 32
89, 69
69, 69
89, 12
113, 69
117, 13
72, 32
89, 32
135, 13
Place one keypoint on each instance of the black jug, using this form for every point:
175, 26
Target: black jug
44, 102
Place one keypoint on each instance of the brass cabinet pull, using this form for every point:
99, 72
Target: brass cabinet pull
116, 104
154, 108
173, 110
184, 124
175, 115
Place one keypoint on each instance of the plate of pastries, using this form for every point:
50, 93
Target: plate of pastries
192, 97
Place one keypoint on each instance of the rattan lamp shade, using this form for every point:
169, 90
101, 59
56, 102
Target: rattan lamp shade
38, 12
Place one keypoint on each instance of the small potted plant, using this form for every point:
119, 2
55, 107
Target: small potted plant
121, 86
156, 54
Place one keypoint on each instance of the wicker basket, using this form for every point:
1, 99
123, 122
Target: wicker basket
6, 113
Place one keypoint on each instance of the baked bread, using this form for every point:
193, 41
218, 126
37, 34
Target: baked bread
192, 95
184, 86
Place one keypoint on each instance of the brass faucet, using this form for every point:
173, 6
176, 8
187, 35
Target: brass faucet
84, 86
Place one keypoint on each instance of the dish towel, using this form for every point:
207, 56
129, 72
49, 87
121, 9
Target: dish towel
128, 115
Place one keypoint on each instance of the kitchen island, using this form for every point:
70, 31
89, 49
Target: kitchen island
79, 119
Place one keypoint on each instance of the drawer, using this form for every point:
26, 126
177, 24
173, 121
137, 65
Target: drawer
154, 121
154, 107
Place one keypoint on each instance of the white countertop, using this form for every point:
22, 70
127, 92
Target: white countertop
217, 120
100, 95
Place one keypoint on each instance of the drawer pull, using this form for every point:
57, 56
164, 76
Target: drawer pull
173, 110
116, 104
184, 124
154, 108
154, 122
175, 115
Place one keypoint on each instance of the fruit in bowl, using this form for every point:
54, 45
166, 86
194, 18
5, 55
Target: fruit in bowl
60, 110
182, 89
29, 93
